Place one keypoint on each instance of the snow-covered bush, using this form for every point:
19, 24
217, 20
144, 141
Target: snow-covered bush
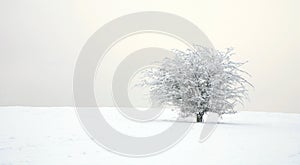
197, 81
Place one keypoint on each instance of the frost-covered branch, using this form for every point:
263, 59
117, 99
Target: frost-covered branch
198, 80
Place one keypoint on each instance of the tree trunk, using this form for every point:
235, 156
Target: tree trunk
199, 117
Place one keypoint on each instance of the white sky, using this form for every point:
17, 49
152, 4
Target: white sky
40, 41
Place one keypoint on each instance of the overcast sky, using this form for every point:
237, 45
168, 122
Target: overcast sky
40, 42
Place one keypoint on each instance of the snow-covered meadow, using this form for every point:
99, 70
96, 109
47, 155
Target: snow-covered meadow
35, 136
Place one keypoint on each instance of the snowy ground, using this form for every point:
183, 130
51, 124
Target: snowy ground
42, 136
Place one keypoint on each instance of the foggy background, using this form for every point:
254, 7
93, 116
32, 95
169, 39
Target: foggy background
41, 40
